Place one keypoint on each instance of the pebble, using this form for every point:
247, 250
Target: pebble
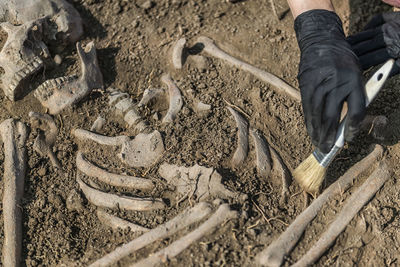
74, 201
57, 59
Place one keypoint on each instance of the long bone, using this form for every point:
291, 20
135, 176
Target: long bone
211, 48
117, 223
62, 92
44, 141
243, 138
125, 107
106, 200
274, 254
222, 214
350, 209
14, 134
111, 178
142, 151
175, 99
181, 221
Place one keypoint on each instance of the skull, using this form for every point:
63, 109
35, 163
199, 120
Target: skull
31, 26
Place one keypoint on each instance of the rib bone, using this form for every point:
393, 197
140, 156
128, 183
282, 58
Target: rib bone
106, 200
352, 206
222, 214
282, 86
175, 99
117, 223
263, 156
14, 134
111, 178
273, 255
243, 138
178, 53
181, 221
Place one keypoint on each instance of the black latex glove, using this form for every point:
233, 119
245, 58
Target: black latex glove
329, 74
379, 41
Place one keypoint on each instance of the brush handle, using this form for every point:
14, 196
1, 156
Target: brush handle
372, 88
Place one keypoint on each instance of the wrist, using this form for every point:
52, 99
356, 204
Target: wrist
300, 6
318, 24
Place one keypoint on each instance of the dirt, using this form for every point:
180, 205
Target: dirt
134, 41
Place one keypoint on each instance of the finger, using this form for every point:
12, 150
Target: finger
363, 36
331, 118
374, 58
355, 114
375, 43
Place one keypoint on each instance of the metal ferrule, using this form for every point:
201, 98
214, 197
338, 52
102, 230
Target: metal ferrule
326, 159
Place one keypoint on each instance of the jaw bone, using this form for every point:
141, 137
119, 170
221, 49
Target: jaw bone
62, 92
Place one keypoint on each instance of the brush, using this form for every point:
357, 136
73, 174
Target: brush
311, 172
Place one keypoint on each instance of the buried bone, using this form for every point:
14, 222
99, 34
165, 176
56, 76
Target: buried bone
274, 254
175, 99
179, 53
60, 93
263, 156
149, 94
98, 124
223, 214
126, 108
13, 134
352, 206
45, 140
111, 178
281, 85
198, 182
117, 223
29, 25
243, 138
142, 151
112, 201
180, 222
283, 170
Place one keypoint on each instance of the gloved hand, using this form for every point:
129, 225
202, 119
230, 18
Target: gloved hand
379, 41
329, 74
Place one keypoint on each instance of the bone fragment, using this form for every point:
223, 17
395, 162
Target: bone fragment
62, 92
223, 213
126, 108
149, 94
243, 138
143, 151
175, 99
14, 134
281, 168
273, 255
201, 107
263, 156
198, 182
98, 124
111, 178
178, 53
181, 221
350, 209
44, 142
281, 85
106, 200
84, 135
117, 223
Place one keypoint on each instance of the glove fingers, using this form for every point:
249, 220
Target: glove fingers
374, 58
331, 117
376, 21
396, 69
355, 114
363, 36
369, 45
317, 106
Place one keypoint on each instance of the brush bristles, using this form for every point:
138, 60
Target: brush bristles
310, 175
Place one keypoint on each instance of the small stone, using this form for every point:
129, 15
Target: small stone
147, 5
57, 59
